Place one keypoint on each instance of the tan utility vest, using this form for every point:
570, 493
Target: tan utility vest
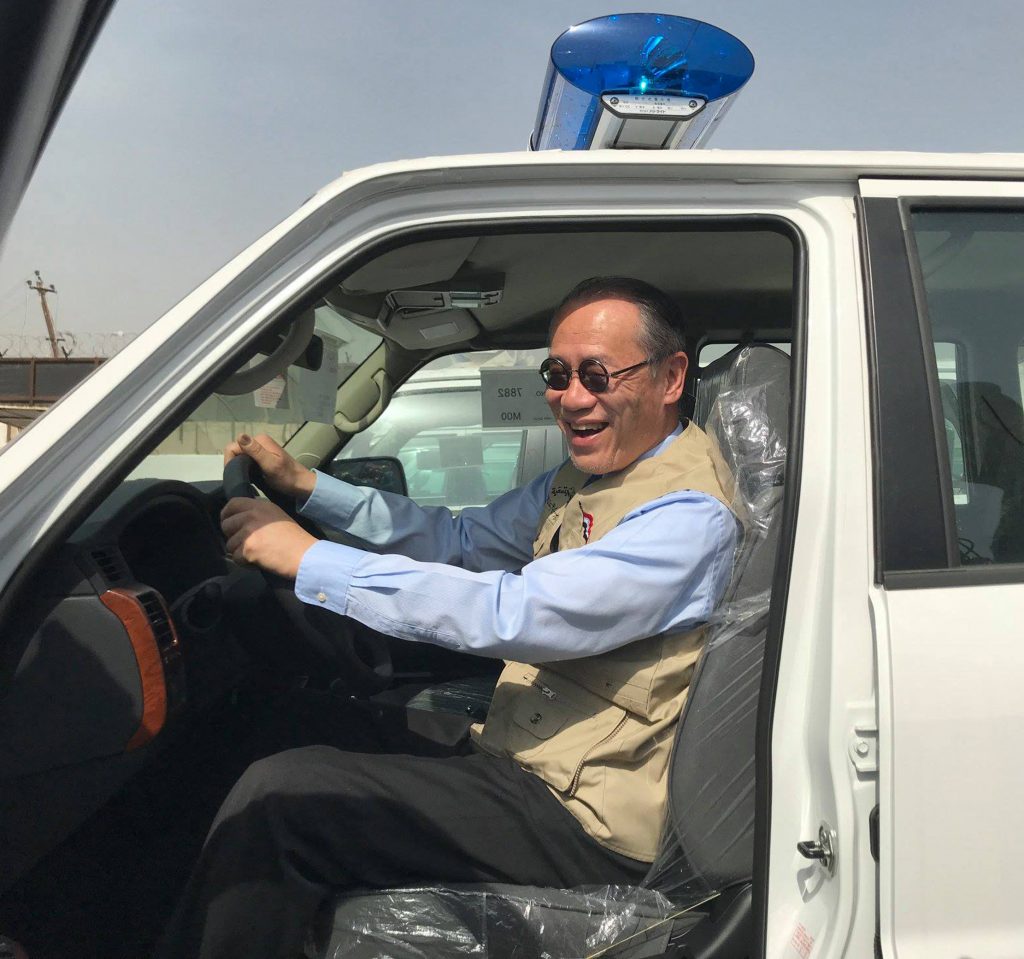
599, 730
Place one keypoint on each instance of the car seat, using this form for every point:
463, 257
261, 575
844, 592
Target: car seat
696, 899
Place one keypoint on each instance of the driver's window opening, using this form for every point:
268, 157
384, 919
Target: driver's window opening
463, 322
437, 428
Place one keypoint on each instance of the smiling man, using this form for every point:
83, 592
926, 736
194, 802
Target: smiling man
592, 582
610, 418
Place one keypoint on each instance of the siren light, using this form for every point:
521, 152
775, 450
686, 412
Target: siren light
638, 80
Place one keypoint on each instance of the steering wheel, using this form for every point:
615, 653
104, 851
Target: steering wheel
362, 657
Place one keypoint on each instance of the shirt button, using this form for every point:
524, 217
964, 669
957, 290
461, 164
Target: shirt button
322, 597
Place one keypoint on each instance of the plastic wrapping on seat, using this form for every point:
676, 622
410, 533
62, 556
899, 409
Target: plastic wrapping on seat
707, 840
748, 421
505, 922
464, 697
707, 844
748, 424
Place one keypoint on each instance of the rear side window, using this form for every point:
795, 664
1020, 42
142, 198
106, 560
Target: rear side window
973, 284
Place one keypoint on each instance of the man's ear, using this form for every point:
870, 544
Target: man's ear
674, 367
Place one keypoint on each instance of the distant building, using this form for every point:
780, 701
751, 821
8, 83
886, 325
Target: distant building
30, 385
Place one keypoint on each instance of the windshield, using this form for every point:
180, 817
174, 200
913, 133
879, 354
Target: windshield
194, 450
450, 454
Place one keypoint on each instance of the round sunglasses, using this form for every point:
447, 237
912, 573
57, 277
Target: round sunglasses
593, 374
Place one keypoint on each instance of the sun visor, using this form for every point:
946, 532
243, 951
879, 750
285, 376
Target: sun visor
412, 265
439, 314
428, 332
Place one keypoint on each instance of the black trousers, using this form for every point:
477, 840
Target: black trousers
307, 822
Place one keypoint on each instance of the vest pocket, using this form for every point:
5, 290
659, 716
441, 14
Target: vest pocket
539, 717
553, 736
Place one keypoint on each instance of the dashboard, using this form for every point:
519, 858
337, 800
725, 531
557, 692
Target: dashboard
120, 637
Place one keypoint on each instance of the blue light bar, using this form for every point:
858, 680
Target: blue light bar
641, 80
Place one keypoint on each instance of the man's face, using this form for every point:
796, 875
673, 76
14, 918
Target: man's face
608, 431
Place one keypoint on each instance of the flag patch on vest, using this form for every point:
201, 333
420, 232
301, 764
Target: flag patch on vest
588, 524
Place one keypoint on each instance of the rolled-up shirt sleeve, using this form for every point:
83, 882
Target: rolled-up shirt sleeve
664, 567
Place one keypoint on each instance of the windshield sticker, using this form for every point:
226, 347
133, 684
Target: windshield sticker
270, 395
318, 389
513, 398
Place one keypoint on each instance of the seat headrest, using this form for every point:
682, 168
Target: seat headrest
757, 364
743, 405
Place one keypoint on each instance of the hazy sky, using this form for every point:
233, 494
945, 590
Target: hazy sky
198, 124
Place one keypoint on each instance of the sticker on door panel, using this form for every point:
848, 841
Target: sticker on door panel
801, 943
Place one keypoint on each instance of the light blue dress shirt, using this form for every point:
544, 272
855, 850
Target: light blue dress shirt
470, 583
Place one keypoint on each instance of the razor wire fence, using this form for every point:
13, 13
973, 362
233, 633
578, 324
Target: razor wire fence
78, 345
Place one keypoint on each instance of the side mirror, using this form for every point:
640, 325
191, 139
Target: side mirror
378, 472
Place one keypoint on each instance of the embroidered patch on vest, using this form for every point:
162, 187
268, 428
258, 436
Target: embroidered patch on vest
588, 524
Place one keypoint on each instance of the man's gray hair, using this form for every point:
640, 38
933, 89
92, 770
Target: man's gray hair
661, 330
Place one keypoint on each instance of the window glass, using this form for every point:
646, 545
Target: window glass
433, 426
194, 450
974, 287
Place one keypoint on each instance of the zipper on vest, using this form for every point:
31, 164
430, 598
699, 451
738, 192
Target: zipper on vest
545, 690
575, 784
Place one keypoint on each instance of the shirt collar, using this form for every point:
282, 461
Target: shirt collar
663, 445
653, 451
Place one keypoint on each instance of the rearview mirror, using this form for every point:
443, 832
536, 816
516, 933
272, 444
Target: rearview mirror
378, 472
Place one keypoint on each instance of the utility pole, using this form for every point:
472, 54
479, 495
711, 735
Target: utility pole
42, 291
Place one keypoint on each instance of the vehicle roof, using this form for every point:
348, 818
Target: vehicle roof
840, 165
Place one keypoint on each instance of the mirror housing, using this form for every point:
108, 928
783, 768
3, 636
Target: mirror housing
384, 473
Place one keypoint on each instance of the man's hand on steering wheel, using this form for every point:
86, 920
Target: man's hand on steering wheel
283, 473
261, 533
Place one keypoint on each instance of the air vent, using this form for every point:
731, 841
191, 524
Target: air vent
162, 628
110, 564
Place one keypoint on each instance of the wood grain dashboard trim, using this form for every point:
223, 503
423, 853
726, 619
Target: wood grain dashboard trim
127, 607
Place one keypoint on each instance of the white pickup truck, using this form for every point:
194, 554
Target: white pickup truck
846, 788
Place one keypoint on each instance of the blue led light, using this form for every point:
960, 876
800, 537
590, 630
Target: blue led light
643, 54
678, 55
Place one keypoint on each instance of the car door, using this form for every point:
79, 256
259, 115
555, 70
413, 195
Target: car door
946, 297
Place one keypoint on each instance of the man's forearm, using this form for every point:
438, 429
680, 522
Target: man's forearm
632, 583
495, 537
388, 521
